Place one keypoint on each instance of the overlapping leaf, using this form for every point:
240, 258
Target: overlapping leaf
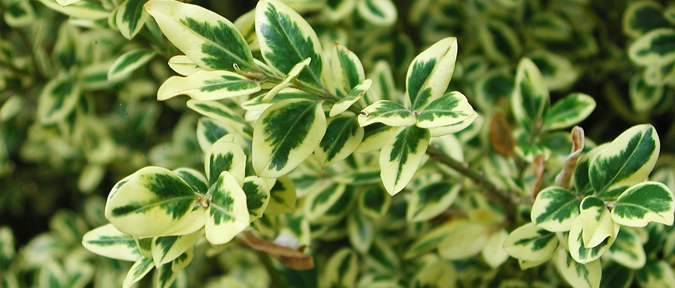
596, 221
207, 85
387, 112
584, 254
568, 111
220, 112
430, 201
401, 156
531, 243
227, 214
57, 99
554, 209
167, 248
643, 203
430, 72
257, 196
450, 109
129, 62
130, 17
579, 275
110, 242
343, 136
530, 96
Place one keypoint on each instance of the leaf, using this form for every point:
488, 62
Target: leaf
656, 273
430, 201
341, 269
81, 9
596, 221
287, 82
432, 238
450, 109
347, 70
454, 128
183, 65
207, 85
57, 99
95, 76
583, 254
110, 242
530, 96
282, 197
289, 257
382, 257
130, 17
207, 38
557, 71
388, 113
318, 204
343, 136
655, 47
579, 275
616, 276
643, 96
375, 136
499, 41
378, 12
220, 112
353, 96
360, 231
435, 272
286, 39
531, 243
493, 253
374, 202
401, 156
383, 84
469, 242
19, 13
641, 17
137, 271
568, 111
144, 246
227, 214
643, 203
285, 135
167, 273
152, 202
627, 160
167, 248
627, 250
210, 130
554, 209
430, 72
257, 196
225, 156
128, 63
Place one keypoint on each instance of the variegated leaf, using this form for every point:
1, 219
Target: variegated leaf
388, 113
627, 250
583, 254
144, 246
382, 257
579, 275
110, 242
351, 98
128, 63
531, 243
653, 47
57, 99
51, 274
470, 241
95, 76
568, 111
207, 85
285, 135
257, 196
347, 70
318, 204
210, 40
130, 17
432, 238
282, 197
210, 130
225, 156
227, 214
454, 128
375, 136
597, 224
341, 269
530, 96
137, 271
183, 65
287, 39
194, 178
12, 106
220, 112
627, 160
401, 156
450, 109
656, 273
643, 203
288, 81
361, 232
343, 136
430, 72
166, 274
616, 276
19, 13
554, 209
435, 273
643, 16
493, 253
167, 248
498, 40
378, 12
383, 84
152, 202
362, 177
80, 9
431, 200
559, 74
374, 202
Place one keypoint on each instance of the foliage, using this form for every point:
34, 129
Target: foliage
321, 135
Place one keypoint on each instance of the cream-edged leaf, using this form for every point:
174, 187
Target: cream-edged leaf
627, 250
257, 196
351, 98
166, 274
568, 111
469, 241
137, 271
431, 200
207, 85
378, 12
493, 253
287, 82
221, 112
227, 214
656, 273
583, 254
318, 204
130, 17
211, 130
129, 62
430, 72
596, 220
183, 65
225, 156
401, 156
554, 209
57, 99
167, 248
530, 95
360, 232
343, 136
643, 203
450, 109
341, 269
347, 70
388, 113
110, 242
653, 48
282, 197
579, 275
81, 9
531, 243
374, 201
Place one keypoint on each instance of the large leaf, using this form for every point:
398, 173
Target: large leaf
110, 242
530, 96
285, 135
643, 203
388, 113
531, 243
210, 40
207, 85
225, 156
152, 202
568, 111
554, 209
227, 214
583, 254
579, 275
129, 62
627, 160
130, 17
167, 248
653, 48
596, 220
220, 112
431, 200
57, 99
287, 39
401, 156
343, 135
450, 109
430, 72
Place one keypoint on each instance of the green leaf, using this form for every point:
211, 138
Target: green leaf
653, 48
282, 197
207, 38
530, 96
568, 111
616, 276
362, 177
470, 241
285, 135
554, 209
287, 39
627, 160
347, 70
343, 135
225, 156
627, 250
374, 202
388, 113
430, 201
167, 248
351, 98
378, 12
152, 202
194, 178
128, 63
656, 273
137, 271
454, 128
130, 17
582, 253
320, 202
360, 232
95, 76
341, 269
52, 275
596, 220
110, 242
257, 196
641, 17
382, 257
531, 243
144, 246
207, 85
643, 203
57, 99
499, 41
430, 72
81, 9
227, 214
579, 275
401, 156
450, 109
220, 112
210, 130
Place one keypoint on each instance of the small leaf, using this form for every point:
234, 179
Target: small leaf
57, 99
383, 84
137, 271
378, 12
347, 70
554, 209
257, 196
351, 98
343, 136
656, 273
341, 269
225, 156
450, 109
388, 113
641, 17
583, 254
19, 13
130, 17
361, 232
220, 112
287, 82
320, 202
644, 96
493, 253
530, 96
374, 202
435, 272
531, 243
616, 276
282, 197
128, 63
81, 9
643, 203
110, 242
596, 220
579, 275
430, 72
210, 130
375, 136
568, 111
167, 248
432, 238
557, 71
227, 214
468, 243
627, 250
431, 200
401, 156
167, 273
183, 65
207, 85
194, 178
499, 41
653, 48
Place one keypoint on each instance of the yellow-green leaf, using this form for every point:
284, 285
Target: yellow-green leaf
207, 85
643, 203
401, 156
110, 242
227, 214
430, 72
